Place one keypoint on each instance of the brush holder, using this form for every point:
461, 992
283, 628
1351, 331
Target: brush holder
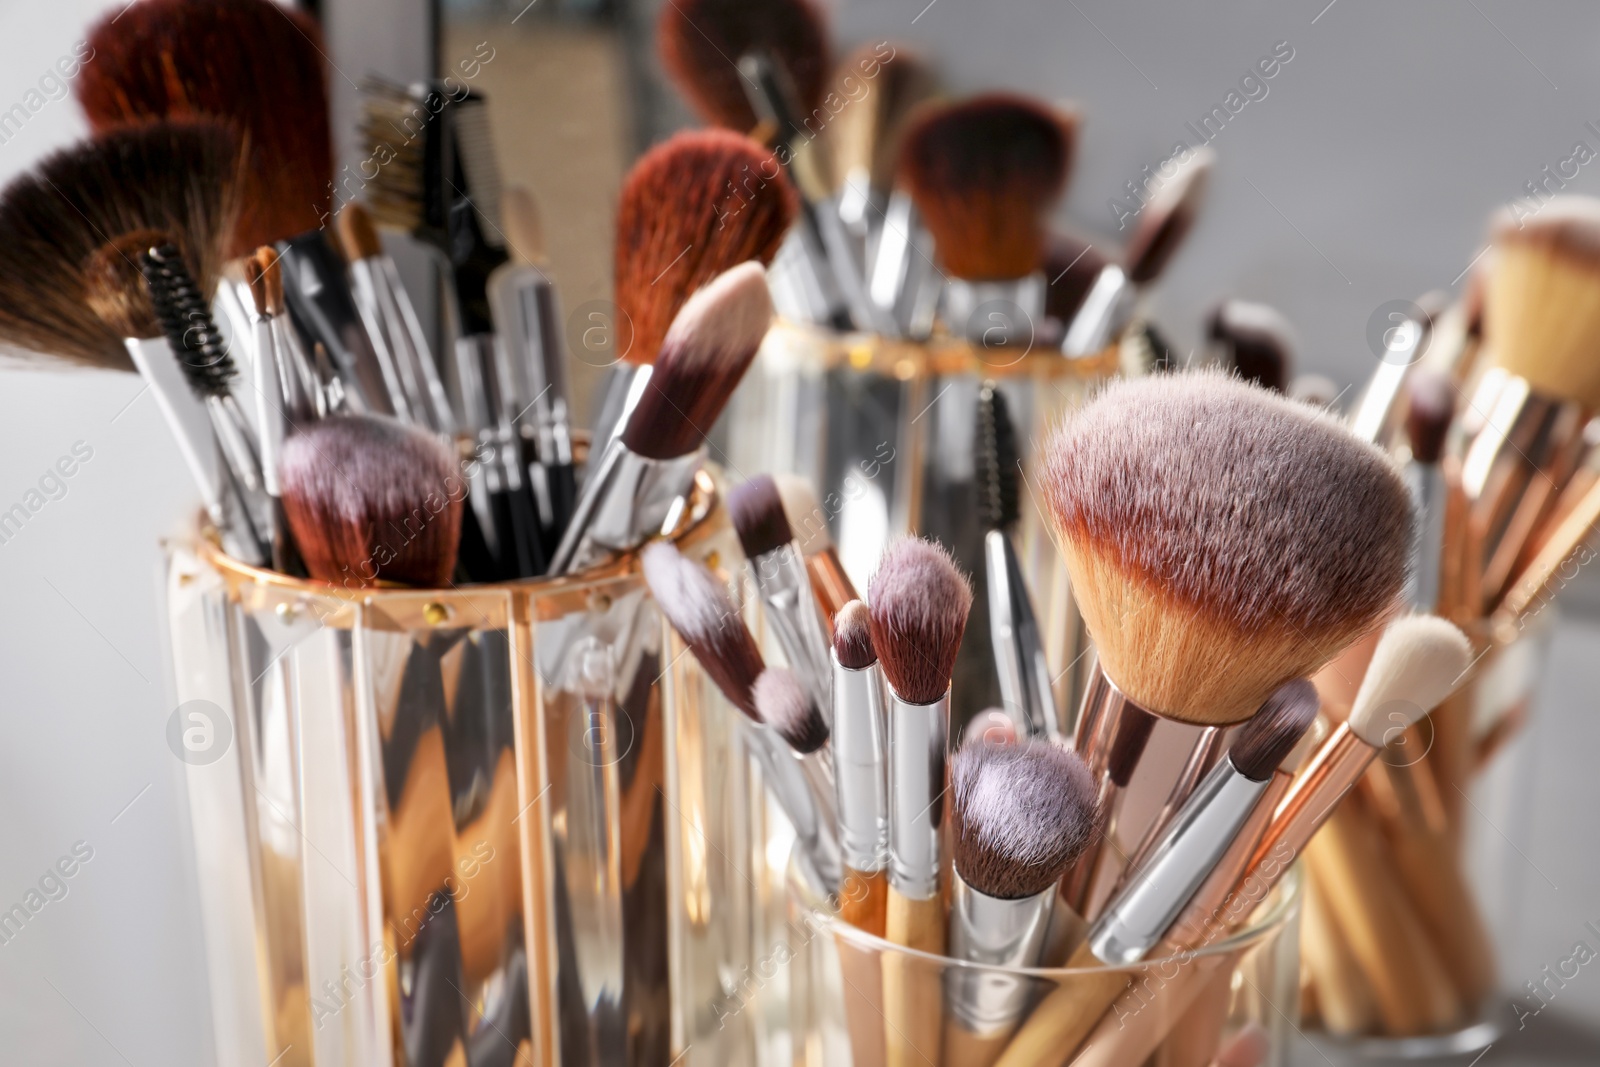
474, 820
885, 430
1169, 1012
1405, 831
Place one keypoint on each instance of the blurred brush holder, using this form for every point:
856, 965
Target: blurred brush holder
1173, 1012
452, 826
1458, 770
885, 430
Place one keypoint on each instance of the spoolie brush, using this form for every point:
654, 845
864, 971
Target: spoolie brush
696, 604
1021, 814
1161, 230
176, 178
1221, 540
1253, 341
651, 464
984, 174
256, 65
372, 500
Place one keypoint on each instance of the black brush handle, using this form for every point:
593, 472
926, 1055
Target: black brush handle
474, 561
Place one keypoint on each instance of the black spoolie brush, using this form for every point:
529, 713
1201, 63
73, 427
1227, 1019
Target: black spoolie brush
372, 500
698, 607
1020, 661
1021, 815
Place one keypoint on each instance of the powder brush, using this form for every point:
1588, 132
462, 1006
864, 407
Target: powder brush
700, 42
1252, 340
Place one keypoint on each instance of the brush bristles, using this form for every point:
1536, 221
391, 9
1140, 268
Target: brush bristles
176, 178
1273, 731
114, 285
757, 513
372, 500
698, 607
358, 237
984, 174
866, 131
184, 313
997, 472
1221, 540
257, 65
917, 604
1256, 339
706, 353
852, 637
690, 209
398, 127
1430, 407
1022, 815
1071, 266
1542, 299
785, 706
701, 42
1420, 660
806, 518
1167, 220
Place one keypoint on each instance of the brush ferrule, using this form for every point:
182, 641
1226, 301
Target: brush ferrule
412, 351
320, 300
902, 278
1103, 315
267, 381
996, 933
528, 318
1197, 838
1102, 710
917, 738
1335, 767
1507, 421
626, 500
860, 756
996, 313
1024, 671
795, 793
792, 614
1427, 486
302, 391
380, 332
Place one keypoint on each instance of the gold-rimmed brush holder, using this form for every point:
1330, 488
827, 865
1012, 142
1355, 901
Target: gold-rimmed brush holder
483, 825
885, 430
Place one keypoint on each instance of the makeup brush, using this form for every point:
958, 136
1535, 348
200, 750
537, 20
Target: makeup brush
918, 605
255, 64
1430, 408
1252, 340
1020, 815
809, 522
785, 706
779, 572
1019, 657
1114, 770
651, 464
1143, 911
298, 387
697, 606
1220, 539
274, 385
1071, 266
372, 500
860, 757
527, 316
700, 43
984, 174
881, 83
177, 178
1161, 229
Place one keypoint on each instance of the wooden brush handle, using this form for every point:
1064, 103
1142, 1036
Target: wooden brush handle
1194, 1040
1148, 1014
1414, 994
861, 974
1344, 1000
913, 988
1058, 1025
864, 901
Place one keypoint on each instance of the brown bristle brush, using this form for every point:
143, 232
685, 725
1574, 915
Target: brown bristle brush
701, 42
698, 204
696, 604
176, 178
1254, 341
1221, 539
354, 488
985, 173
255, 64
918, 604
1071, 266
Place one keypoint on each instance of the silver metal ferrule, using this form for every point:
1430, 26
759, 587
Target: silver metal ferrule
412, 352
1104, 314
793, 615
999, 934
860, 757
531, 311
902, 278
383, 336
1139, 915
813, 826
1378, 411
1427, 492
1019, 659
995, 313
624, 502
917, 736
267, 381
